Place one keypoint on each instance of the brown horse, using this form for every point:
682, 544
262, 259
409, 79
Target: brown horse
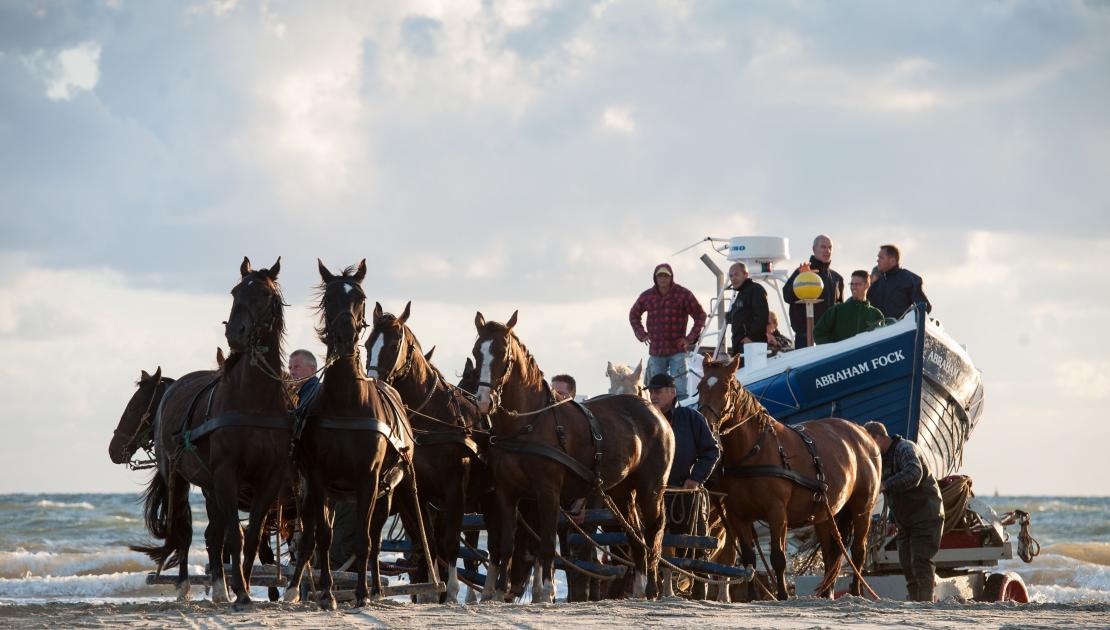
560, 453
448, 430
227, 432
134, 430
354, 441
789, 477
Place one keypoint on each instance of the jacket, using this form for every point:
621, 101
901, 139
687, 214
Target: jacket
895, 291
911, 490
666, 319
748, 314
844, 321
307, 394
695, 448
833, 293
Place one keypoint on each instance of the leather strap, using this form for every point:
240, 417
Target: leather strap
354, 423
772, 471
444, 437
238, 419
543, 450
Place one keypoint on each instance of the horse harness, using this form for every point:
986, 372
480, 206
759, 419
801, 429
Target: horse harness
189, 437
514, 444
396, 439
457, 433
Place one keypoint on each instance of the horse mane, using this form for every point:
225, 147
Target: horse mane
748, 406
318, 293
529, 360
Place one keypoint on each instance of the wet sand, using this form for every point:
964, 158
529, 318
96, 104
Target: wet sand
797, 614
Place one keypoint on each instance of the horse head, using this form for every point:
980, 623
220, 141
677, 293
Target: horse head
256, 307
342, 309
493, 359
136, 421
718, 391
391, 347
625, 380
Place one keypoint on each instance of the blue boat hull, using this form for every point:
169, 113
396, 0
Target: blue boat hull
911, 376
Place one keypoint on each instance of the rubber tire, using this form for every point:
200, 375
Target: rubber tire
1004, 587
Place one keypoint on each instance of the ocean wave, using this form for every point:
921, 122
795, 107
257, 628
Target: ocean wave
1095, 553
78, 586
22, 563
81, 505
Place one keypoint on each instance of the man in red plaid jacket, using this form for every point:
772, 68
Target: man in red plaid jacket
668, 305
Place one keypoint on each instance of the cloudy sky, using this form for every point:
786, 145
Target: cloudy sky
544, 156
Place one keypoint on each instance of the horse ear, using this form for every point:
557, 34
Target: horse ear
706, 359
157, 374
608, 368
639, 369
512, 321
325, 275
378, 310
360, 275
275, 269
144, 376
479, 320
428, 354
734, 364
220, 357
245, 268
405, 314
469, 367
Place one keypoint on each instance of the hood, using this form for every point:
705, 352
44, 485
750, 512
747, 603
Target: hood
656, 271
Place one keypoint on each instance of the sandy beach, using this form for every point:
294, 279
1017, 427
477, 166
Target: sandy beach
798, 614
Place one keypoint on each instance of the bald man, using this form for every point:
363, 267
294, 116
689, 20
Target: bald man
820, 263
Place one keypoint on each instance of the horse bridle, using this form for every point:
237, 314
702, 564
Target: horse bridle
259, 325
496, 392
360, 325
406, 369
139, 428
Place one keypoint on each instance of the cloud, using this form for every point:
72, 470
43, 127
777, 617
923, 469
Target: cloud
618, 120
67, 72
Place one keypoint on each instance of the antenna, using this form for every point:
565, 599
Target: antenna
708, 239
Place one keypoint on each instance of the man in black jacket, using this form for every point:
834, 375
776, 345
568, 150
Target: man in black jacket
748, 313
833, 293
897, 288
695, 449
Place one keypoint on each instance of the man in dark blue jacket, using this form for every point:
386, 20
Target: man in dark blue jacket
695, 449
896, 289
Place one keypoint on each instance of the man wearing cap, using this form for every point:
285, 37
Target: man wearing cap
820, 263
668, 305
695, 449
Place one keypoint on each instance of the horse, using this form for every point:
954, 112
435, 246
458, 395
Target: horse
824, 473
134, 429
355, 440
626, 443
625, 380
449, 432
228, 432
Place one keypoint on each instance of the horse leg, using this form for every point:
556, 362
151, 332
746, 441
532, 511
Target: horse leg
777, 524
326, 599
860, 527
182, 532
830, 556
447, 543
649, 500
260, 509
547, 515
227, 491
266, 557
366, 491
379, 514
311, 509
745, 539
214, 541
524, 555
499, 561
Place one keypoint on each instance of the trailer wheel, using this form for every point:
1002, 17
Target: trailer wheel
1004, 587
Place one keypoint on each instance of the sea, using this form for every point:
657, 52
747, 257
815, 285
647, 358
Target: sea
74, 548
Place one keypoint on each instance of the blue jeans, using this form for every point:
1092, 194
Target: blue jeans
673, 364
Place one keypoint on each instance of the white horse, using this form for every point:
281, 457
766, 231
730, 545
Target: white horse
625, 380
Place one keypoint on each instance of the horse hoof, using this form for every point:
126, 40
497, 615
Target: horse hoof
328, 603
183, 592
471, 596
292, 595
219, 594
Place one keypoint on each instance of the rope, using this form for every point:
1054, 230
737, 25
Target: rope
523, 414
847, 556
1028, 547
620, 559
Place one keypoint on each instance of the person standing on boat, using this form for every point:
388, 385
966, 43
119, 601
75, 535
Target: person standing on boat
749, 314
897, 289
915, 502
820, 263
668, 305
844, 321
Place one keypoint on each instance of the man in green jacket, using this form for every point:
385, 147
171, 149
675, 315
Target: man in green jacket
854, 316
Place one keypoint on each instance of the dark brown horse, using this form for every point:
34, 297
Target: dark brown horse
448, 430
355, 441
134, 430
789, 477
227, 432
560, 453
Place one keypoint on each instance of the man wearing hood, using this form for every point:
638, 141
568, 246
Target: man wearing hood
668, 305
833, 293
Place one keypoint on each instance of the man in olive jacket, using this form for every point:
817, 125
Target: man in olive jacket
913, 495
820, 263
844, 321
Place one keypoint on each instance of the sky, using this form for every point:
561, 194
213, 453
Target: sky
544, 156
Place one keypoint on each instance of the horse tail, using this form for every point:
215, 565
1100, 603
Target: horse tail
168, 518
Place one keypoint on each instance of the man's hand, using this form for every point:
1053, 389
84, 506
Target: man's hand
691, 346
641, 338
690, 484
746, 340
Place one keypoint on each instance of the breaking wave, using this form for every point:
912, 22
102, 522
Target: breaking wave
81, 505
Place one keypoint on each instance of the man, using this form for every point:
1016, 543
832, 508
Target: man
302, 365
846, 320
833, 293
897, 289
776, 341
695, 449
917, 507
749, 313
668, 306
563, 387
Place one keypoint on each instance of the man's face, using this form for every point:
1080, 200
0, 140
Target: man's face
859, 288
822, 250
885, 261
561, 391
882, 442
662, 398
300, 367
737, 276
663, 281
